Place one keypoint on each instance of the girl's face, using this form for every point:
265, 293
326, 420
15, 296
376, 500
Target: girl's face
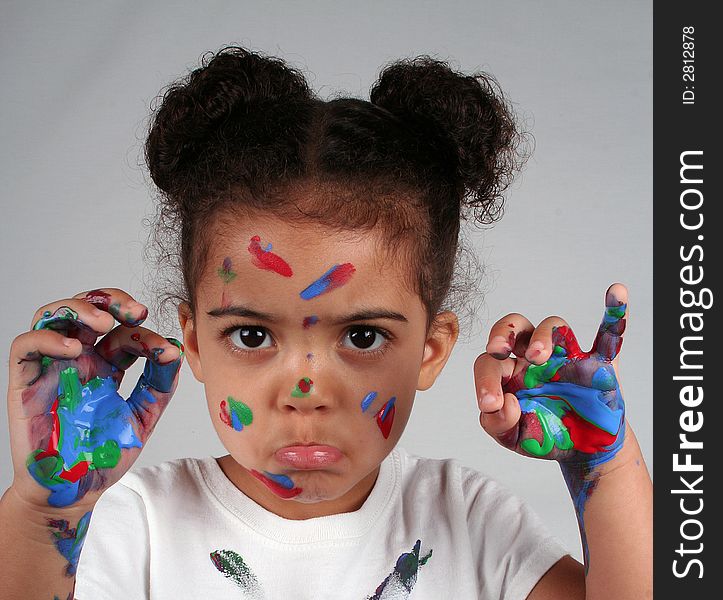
310, 348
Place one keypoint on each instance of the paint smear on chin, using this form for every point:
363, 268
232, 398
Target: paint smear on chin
263, 258
281, 485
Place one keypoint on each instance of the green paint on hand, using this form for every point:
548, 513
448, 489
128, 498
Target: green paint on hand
536, 375
106, 456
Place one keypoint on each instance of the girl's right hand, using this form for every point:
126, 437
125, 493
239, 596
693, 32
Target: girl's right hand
71, 434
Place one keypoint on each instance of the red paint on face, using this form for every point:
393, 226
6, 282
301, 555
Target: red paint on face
276, 488
267, 260
385, 426
304, 385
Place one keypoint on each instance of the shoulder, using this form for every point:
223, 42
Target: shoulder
166, 478
451, 477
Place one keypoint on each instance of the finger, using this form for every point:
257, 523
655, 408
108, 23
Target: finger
503, 423
118, 303
609, 337
28, 350
73, 318
154, 390
551, 332
490, 374
122, 346
510, 334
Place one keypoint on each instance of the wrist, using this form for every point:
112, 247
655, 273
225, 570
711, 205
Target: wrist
627, 454
33, 519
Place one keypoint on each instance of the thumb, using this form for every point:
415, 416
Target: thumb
154, 390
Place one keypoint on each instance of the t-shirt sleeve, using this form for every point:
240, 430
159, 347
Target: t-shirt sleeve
513, 546
114, 561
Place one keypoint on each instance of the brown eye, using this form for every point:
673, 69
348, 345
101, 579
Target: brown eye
363, 337
250, 338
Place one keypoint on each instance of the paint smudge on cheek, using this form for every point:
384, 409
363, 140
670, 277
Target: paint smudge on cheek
233, 567
69, 541
385, 417
302, 388
367, 401
281, 485
235, 413
263, 258
335, 277
309, 321
309, 356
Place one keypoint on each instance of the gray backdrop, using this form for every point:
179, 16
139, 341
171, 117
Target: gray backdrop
78, 78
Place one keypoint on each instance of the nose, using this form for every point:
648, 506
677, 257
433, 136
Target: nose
305, 396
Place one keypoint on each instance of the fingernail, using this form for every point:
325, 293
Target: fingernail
68, 342
500, 343
535, 348
487, 401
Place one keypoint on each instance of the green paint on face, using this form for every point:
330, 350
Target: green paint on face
303, 388
225, 272
240, 410
536, 375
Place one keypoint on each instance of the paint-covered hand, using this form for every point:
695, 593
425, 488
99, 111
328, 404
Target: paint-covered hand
72, 435
554, 401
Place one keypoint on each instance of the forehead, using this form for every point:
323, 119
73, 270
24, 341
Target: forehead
271, 261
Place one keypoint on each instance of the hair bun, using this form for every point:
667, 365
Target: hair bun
468, 112
216, 106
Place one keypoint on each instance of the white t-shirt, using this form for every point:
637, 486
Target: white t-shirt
429, 530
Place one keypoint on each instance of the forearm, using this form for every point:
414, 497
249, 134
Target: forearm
39, 549
614, 507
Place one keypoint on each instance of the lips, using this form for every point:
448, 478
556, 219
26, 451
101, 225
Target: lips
311, 456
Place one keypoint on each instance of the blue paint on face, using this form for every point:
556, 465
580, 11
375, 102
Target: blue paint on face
282, 480
368, 399
319, 286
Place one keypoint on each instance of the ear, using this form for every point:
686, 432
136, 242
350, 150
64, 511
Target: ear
190, 340
442, 337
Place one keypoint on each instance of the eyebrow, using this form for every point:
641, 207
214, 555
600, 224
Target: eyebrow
239, 310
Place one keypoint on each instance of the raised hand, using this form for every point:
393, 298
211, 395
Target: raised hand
554, 401
72, 435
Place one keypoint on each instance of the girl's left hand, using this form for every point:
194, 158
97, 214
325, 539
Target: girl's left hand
553, 400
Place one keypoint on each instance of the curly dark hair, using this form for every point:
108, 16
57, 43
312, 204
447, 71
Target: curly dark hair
244, 132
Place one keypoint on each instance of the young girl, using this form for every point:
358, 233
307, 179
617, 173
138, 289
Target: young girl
317, 242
